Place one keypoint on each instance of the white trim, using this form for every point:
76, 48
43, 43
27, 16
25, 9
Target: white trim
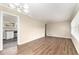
1, 31
59, 36
76, 43
18, 27
21, 43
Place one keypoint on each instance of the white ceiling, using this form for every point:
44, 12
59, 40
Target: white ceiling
54, 12
51, 11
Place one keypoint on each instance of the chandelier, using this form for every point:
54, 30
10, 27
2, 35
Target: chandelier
20, 7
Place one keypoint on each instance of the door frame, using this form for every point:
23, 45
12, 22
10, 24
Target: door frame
1, 27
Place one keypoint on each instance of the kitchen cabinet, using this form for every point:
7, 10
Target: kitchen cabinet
8, 34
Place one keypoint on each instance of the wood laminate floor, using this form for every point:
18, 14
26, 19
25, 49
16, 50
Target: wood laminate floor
48, 46
42, 46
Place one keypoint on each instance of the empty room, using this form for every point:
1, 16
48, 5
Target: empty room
39, 28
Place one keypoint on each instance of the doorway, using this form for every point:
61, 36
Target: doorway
9, 33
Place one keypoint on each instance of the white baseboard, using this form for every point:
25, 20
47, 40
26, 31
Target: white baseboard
21, 43
76, 44
59, 36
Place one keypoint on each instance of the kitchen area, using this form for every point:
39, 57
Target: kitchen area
9, 31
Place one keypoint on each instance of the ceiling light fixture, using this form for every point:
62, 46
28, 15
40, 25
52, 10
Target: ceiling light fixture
12, 6
20, 7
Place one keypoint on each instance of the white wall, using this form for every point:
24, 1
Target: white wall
59, 29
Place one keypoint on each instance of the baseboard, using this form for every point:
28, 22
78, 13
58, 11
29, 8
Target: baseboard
76, 44
29, 41
58, 37
40, 38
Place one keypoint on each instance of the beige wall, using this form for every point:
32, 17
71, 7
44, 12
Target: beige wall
29, 29
59, 29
